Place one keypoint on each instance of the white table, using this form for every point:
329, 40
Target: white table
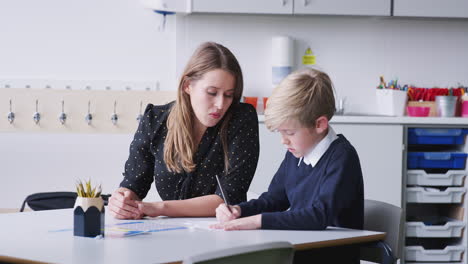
27, 236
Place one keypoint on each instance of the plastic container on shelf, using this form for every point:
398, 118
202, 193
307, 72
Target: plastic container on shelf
418, 111
464, 108
437, 136
433, 195
419, 253
430, 104
391, 102
450, 178
449, 229
438, 160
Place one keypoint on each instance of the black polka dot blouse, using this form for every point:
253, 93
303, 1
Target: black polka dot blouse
146, 160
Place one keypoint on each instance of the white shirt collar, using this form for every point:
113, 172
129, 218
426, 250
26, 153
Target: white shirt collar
317, 152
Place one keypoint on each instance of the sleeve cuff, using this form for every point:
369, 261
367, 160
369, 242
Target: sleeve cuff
131, 188
246, 209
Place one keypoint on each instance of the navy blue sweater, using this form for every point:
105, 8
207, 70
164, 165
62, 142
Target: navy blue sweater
329, 194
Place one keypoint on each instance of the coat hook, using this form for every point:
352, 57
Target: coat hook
37, 115
140, 115
89, 116
11, 115
63, 116
114, 117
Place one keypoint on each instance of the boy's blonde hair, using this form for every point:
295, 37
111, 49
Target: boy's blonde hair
304, 95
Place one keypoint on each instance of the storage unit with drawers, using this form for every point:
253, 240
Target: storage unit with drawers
435, 195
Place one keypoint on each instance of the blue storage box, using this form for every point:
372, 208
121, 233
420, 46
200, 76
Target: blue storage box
437, 136
436, 160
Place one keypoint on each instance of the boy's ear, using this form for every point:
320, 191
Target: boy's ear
321, 124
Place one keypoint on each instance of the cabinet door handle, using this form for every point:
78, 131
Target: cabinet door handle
284, 2
306, 2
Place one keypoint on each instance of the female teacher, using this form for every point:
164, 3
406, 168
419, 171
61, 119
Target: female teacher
184, 144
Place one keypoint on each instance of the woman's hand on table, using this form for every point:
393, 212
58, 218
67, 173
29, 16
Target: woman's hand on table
152, 209
123, 204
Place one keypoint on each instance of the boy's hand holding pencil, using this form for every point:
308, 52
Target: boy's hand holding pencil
244, 223
225, 213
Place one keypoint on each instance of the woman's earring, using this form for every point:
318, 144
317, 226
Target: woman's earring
114, 117
11, 115
37, 115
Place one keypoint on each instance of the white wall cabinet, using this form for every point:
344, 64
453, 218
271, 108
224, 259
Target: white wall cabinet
271, 154
411, 8
430, 8
243, 6
343, 7
380, 150
287, 7
222, 6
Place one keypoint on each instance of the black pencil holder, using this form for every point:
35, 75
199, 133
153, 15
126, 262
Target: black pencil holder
88, 217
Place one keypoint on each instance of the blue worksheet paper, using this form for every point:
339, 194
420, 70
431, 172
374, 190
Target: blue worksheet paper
132, 228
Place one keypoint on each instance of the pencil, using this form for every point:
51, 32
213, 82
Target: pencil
222, 193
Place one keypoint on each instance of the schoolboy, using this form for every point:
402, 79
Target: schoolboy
319, 182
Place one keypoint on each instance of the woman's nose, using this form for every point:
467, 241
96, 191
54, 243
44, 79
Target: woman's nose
219, 102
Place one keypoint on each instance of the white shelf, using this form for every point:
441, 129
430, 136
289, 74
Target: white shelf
449, 253
419, 229
402, 120
450, 178
432, 195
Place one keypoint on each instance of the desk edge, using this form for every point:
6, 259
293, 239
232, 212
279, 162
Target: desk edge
340, 242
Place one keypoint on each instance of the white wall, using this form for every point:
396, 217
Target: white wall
85, 40
33, 163
355, 51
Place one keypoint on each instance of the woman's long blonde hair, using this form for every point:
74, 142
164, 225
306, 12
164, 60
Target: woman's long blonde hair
180, 145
